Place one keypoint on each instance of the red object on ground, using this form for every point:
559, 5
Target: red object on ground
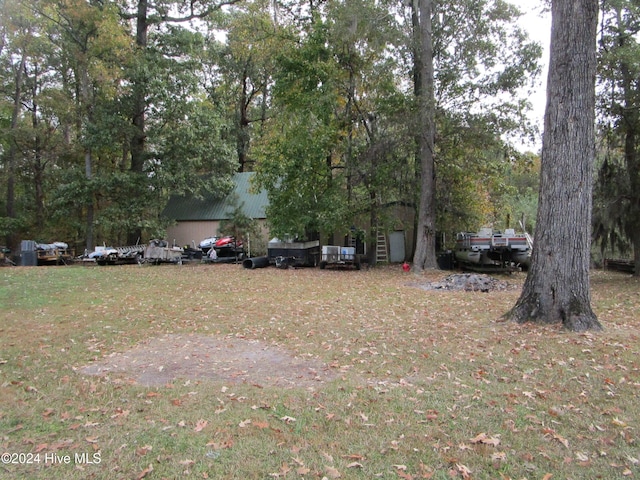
406, 267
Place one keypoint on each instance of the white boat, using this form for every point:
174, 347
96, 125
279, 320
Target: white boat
491, 250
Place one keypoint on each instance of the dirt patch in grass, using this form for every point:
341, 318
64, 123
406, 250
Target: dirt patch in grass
162, 360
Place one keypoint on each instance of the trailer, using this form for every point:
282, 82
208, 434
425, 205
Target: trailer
335, 256
159, 251
118, 255
56, 253
155, 252
293, 254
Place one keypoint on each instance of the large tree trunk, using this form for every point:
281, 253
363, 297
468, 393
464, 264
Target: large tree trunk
425, 249
138, 141
557, 287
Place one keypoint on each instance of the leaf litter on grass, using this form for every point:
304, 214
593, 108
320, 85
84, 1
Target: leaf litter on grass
396, 381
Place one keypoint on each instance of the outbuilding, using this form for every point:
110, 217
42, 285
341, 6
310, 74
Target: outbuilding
198, 218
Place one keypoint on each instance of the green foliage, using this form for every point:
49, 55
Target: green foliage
481, 181
616, 209
318, 99
239, 225
193, 155
612, 206
303, 194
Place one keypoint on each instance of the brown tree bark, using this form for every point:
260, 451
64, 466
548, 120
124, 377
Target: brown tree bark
12, 239
557, 287
425, 250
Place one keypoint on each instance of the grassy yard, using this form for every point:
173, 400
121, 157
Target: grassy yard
307, 373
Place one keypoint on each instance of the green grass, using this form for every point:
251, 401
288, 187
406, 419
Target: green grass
416, 378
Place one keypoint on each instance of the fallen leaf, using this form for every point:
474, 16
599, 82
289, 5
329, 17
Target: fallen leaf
582, 457
143, 450
485, 439
354, 456
561, 439
284, 469
463, 470
145, 472
618, 423
200, 425
41, 447
333, 472
499, 456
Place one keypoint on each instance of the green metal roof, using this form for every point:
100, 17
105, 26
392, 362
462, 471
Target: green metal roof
209, 208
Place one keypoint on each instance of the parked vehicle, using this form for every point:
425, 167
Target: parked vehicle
206, 244
229, 248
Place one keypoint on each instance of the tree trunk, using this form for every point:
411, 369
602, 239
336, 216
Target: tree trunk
11, 239
425, 249
137, 144
90, 210
38, 162
243, 135
557, 287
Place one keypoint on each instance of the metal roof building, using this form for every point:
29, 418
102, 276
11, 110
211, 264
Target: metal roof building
197, 219
210, 208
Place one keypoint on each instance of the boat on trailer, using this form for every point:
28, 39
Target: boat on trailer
493, 250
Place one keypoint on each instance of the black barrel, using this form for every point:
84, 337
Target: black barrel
255, 262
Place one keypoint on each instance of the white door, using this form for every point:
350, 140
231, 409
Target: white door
396, 247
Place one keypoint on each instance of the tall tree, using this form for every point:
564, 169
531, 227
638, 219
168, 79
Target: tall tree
247, 62
617, 211
91, 47
149, 14
337, 111
425, 255
557, 286
482, 64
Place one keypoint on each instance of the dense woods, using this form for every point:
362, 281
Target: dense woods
342, 108
109, 108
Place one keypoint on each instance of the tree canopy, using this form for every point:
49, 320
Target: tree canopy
107, 109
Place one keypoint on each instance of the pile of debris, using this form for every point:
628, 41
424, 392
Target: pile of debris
468, 282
